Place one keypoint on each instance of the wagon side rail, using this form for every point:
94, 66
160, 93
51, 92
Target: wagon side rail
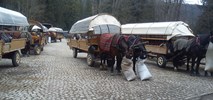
14, 45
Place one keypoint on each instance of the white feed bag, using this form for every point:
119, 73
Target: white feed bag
142, 70
209, 58
49, 39
127, 69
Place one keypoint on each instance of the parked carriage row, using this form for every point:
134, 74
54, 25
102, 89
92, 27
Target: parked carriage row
18, 35
85, 36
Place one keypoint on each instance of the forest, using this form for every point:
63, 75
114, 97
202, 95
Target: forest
64, 13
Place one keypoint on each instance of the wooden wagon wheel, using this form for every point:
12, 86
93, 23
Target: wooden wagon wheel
16, 58
90, 59
161, 61
37, 50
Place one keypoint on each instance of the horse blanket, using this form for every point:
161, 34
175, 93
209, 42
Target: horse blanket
105, 42
181, 44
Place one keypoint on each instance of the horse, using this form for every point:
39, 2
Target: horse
111, 46
28, 36
195, 49
137, 45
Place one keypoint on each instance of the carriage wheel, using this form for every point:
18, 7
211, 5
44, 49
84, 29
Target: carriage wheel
75, 53
16, 59
161, 61
90, 59
37, 50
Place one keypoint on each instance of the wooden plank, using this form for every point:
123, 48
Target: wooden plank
163, 39
156, 49
73, 43
17, 44
83, 44
1, 47
6, 48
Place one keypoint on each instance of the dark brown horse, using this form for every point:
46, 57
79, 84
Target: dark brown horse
194, 50
111, 46
28, 36
137, 45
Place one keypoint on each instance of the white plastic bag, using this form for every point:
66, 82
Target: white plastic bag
209, 58
142, 70
49, 39
127, 69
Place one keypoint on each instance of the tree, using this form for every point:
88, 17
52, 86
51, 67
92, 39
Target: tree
205, 22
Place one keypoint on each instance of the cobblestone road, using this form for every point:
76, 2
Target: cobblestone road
56, 75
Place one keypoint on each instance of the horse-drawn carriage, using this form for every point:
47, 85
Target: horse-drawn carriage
160, 37
56, 33
38, 34
84, 35
11, 42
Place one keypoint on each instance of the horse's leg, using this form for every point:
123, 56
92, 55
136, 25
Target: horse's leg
175, 61
192, 65
118, 64
134, 61
197, 65
28, 49
187, 63
206, 73
111, 62
102, 58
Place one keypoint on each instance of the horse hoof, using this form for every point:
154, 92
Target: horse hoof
112, 74
118, 73
198, 74
192, 74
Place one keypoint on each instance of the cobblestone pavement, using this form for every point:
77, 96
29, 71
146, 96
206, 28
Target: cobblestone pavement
56, 75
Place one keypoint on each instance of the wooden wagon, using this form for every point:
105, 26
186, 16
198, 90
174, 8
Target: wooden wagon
56, 33
84, 35
159, 35
11, 43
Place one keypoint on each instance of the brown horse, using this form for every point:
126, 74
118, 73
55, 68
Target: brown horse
111, 46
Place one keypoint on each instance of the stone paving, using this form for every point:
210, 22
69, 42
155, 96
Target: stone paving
56, 75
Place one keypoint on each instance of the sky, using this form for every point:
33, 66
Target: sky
193, 2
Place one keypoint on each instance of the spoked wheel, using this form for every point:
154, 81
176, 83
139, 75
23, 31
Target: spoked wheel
16, 59
75, 53
37, 50
90, 59
161, 61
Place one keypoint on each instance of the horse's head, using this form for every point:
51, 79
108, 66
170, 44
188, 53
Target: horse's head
136, 47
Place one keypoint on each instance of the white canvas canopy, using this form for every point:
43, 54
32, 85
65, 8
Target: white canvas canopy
170, 29
35, 27
12, 18
101, 23
55, 29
